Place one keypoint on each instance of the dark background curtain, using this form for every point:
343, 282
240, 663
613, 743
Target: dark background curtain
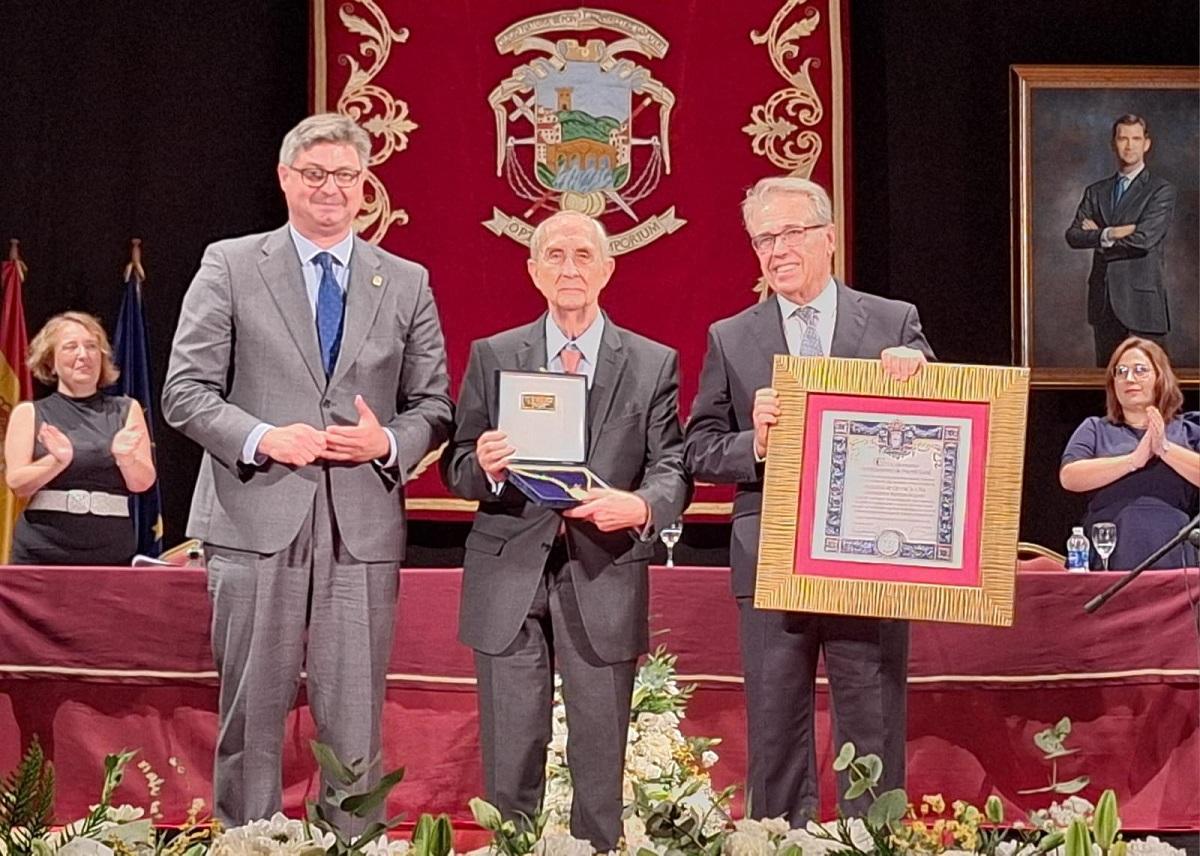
162, 120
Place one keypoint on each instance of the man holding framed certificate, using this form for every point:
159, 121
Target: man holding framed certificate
571, 495
809, 314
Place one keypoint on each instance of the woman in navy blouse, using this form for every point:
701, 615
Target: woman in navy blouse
1140, 462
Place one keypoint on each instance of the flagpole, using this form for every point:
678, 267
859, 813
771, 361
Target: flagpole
14, 255
135, 260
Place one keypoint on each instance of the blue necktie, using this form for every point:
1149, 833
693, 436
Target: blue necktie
330, 305
1119, 189
810, 342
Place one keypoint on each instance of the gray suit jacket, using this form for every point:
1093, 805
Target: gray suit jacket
246, 352
1130, 272
634, 443
741, 353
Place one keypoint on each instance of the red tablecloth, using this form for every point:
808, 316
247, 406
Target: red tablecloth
94, 660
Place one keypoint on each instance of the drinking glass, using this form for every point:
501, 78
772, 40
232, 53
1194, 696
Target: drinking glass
1104, 539
670, 537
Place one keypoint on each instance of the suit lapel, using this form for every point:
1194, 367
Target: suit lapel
610, 362
531, 356
768, 331
280, 270
850, 325
363, 297
1107, 211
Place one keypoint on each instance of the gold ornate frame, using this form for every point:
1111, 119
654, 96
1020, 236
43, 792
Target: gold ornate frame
1026, 79
779, 586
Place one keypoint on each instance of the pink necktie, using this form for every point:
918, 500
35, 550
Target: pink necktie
571, 357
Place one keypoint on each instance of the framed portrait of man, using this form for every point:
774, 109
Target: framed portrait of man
1106, 217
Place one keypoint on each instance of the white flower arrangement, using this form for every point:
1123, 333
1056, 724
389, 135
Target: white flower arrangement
659, 760
278, 836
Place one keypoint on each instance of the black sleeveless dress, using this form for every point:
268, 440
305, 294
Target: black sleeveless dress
61, 538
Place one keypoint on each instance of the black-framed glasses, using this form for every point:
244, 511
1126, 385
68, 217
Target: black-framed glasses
792, 237
314, 176
1138, 371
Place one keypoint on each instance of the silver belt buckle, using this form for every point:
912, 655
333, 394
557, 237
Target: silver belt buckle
79, 501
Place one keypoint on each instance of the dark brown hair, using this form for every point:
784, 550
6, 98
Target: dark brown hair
1130, 119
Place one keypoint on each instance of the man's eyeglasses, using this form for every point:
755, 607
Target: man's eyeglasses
792, 237
314, 176
1138, 371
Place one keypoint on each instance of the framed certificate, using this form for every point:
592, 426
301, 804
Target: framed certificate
893, 500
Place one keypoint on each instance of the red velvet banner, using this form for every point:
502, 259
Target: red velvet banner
487, 117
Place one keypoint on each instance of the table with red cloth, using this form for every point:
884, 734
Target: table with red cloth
94, 660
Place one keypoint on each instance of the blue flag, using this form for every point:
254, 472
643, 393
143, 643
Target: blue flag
131, 352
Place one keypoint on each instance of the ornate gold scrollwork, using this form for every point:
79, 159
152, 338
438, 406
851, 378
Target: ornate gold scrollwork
781, 129
380, 113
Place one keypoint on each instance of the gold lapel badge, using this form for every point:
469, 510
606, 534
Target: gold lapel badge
377, 280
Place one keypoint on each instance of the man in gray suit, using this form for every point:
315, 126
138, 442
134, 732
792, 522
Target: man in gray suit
544, 590
790, 221
1124, 219
311, 368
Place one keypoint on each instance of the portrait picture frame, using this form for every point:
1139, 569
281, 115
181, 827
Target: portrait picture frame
817, 397
1062, 123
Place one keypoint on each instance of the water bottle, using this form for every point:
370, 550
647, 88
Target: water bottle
1077, 551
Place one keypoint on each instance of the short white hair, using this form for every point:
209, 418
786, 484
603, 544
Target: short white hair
756, 196
539, 234
325, 128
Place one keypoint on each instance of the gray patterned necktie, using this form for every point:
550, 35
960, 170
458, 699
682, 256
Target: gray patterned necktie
810, 341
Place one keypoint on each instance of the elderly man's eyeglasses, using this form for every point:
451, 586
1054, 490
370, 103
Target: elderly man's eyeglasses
314, 176
792, 237
1138, 371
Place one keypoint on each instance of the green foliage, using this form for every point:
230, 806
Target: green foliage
1105, 821
655, 690
433, 836
1052, 742
994, 809
510, 838
26, 802
672, 825
1079, 839
360, 805
114, 773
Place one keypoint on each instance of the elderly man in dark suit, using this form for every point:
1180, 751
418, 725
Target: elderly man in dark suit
1124, 219
809, 313
544, 590
309, 364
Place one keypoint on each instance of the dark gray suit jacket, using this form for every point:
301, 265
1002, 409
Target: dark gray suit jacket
741, 353
246, 352
634, 443
1131, 270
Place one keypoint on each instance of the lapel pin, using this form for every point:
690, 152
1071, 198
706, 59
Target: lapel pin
377, 280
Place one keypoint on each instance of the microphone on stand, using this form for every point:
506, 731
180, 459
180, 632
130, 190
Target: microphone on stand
1190, 533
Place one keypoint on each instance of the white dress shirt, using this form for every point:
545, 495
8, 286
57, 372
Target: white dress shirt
793, 328
588, 343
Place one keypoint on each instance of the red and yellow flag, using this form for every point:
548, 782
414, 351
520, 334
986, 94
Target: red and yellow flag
15, 382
